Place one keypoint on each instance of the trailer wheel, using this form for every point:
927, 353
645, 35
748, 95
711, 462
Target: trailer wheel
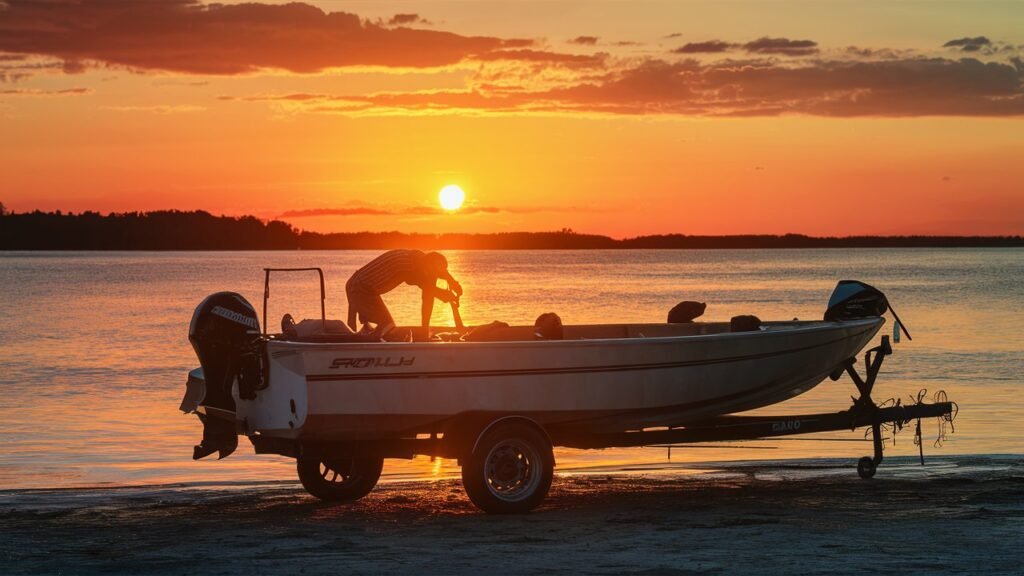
866, 468
339, 480
510, 470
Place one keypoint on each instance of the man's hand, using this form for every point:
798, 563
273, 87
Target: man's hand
446, 295
455, 287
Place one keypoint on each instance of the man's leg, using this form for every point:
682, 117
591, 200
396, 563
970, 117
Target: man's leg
353, 305
377, 312
367, 308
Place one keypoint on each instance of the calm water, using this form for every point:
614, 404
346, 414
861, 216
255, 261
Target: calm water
95, 350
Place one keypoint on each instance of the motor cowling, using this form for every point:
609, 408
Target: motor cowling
854, 299
225, 333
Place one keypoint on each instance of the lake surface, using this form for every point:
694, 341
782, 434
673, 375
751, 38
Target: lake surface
95, 350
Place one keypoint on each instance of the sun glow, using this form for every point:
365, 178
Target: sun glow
451, 197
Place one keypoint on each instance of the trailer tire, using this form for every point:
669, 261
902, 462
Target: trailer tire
866, 467
510, 470
339, 479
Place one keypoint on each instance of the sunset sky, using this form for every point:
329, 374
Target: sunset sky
618, 118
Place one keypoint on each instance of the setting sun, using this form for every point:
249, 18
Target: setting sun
451, 197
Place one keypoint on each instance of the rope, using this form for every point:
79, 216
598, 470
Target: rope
946, 420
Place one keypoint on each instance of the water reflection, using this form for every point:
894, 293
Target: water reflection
96, 351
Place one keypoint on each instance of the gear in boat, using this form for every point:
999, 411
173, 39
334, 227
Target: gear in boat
341, 402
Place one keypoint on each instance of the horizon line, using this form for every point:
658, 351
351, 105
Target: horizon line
567, 231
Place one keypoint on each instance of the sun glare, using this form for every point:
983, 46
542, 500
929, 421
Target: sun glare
451, 197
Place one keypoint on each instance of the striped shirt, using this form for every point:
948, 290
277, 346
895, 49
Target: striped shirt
385, 272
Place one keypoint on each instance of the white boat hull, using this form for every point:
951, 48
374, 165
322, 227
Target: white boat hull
356, 391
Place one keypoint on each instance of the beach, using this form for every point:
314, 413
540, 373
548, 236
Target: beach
956, 515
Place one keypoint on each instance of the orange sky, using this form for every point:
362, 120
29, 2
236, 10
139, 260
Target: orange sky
608, 117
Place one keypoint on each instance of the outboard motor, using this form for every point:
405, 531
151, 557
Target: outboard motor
853, 299
225, 334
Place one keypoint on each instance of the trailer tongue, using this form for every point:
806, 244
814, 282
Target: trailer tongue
864, 413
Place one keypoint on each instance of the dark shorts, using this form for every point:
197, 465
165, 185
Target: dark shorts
366, 305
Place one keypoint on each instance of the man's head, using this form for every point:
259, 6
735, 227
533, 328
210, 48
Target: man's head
438, 263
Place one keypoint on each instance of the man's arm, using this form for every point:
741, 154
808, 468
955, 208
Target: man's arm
427, 310
453, 284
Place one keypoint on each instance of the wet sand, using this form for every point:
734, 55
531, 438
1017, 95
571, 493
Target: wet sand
957, 515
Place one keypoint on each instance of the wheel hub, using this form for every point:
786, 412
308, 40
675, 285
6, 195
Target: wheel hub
510, 470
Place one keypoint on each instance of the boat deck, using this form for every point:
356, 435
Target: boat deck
570, 332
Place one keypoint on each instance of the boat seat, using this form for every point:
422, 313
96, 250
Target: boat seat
318, 330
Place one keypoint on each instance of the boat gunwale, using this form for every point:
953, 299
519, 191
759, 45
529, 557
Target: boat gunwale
812, 326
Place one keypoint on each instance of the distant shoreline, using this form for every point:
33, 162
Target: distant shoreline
201, 231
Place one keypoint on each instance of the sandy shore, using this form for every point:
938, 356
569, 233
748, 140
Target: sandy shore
958, 515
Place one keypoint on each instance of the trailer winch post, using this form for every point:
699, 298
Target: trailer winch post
873, 359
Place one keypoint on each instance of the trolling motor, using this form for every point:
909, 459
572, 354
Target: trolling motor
854, 299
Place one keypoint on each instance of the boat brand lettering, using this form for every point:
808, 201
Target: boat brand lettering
371, 362
785, 426
235, 317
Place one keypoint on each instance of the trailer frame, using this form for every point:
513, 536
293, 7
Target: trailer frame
460, 434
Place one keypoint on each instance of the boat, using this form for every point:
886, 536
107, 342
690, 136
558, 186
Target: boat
340, 402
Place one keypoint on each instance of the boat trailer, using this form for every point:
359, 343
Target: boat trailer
864, 413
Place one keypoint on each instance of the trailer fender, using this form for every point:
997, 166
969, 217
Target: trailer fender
528, 421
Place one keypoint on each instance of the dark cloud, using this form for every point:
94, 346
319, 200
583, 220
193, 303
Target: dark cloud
874, 53
674, 35
782, 46
568, 60
711, 46
584, 40
188, 36
407, 19
1018, 63
907, 87
969, 44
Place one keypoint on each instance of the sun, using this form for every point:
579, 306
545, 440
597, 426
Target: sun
451, 197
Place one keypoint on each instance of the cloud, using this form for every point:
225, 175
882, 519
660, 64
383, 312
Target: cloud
18, 67
783, 46
186, 83
314, 212
874, 53
191, 37
402, 211
162, 109
557, 58
584, 40
903, 87
38, 92
296, 97
407, 19
710, 46
969, 44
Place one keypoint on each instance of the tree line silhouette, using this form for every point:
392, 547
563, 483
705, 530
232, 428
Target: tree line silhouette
198, 230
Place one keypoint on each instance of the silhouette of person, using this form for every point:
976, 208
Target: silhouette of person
385, 273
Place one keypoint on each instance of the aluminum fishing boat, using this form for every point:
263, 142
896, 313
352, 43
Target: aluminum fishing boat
340, 402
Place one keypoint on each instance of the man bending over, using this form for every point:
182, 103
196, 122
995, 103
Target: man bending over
385, 273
